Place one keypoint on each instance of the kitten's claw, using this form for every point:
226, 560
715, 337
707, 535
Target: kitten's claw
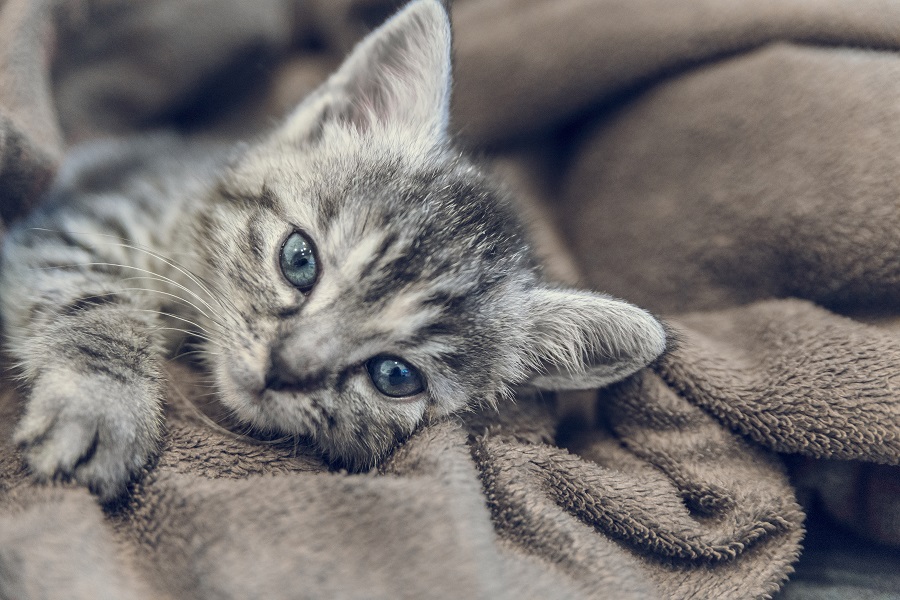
97, 430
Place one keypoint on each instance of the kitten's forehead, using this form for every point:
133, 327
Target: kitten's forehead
427, 212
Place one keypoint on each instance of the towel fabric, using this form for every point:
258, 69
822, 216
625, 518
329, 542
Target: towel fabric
728, 165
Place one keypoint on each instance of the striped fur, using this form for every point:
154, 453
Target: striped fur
144, 241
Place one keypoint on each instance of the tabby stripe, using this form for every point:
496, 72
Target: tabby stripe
70, 240
114, 226
343, 378
268, 200
395, 275
104, 368
378, 254
265, 200
255, 241
80, 305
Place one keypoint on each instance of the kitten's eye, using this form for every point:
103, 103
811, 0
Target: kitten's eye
298, 262
393, 377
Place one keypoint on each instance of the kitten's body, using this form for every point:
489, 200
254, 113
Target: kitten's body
417, 258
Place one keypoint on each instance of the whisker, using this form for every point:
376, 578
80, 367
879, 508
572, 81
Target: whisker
150, 275
175, 296
203, 353
119, 242
239, 436
168, 314
181, 270
164, 279
189, 332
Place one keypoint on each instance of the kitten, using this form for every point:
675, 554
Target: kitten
350, 277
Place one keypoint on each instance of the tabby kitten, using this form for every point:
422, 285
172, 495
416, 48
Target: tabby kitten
349, 277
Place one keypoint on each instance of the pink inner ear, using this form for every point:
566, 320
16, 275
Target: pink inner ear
397, 78
400, 74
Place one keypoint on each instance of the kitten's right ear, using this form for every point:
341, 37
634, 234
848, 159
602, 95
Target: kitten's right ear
397, 80
583, 340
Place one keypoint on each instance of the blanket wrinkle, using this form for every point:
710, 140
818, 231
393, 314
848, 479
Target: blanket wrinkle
349, 536
666, 153
668, 190
711, 469
568, 538
46, 548
641, 506
826, 386
591, 497
519, 57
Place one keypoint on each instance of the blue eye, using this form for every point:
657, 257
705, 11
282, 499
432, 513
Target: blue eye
393, 377
298, 262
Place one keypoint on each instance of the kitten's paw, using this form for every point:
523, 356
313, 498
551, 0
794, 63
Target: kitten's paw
97, 429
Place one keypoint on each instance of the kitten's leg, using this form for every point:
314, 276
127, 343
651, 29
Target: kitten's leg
89, 348
94, 405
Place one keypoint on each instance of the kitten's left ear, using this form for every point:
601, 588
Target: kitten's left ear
584, 340
398, 78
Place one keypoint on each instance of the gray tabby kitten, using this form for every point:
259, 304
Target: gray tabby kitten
350, 277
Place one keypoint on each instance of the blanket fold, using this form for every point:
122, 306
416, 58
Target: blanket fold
528, 69
794, 377
666, 153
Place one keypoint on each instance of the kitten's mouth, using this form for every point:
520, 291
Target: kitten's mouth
276, 386
276, 382
257, 386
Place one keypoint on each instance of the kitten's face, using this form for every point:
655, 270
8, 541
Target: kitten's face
375, 279
371, 289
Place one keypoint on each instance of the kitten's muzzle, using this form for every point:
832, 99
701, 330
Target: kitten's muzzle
287, 373
277, 383
281, 377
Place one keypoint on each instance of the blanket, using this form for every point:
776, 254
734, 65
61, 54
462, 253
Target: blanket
728, 165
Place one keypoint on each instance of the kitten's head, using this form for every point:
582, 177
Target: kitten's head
377, 278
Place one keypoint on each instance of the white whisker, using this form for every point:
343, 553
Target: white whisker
149, 275
119, 242
167, 314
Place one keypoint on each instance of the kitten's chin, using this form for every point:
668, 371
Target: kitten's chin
244, 396
285, 412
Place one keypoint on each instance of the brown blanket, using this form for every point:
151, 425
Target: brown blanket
728, 164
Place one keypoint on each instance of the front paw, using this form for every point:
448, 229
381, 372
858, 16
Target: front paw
98, 429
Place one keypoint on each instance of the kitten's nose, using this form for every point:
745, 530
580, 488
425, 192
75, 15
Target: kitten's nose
295, 367
279, 376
